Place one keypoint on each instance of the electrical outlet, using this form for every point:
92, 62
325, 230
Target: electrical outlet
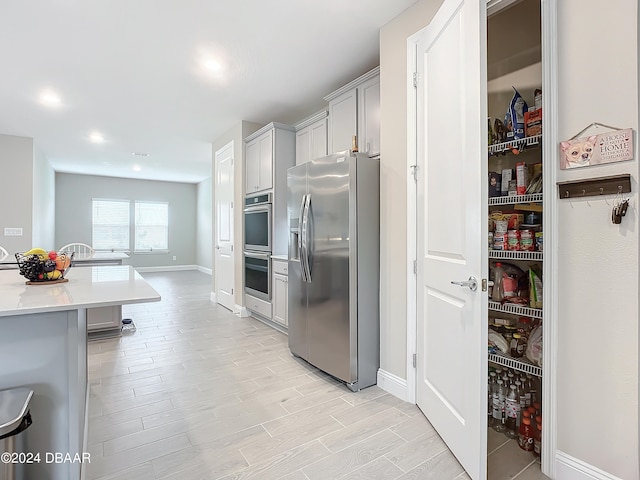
13, 232
174, 258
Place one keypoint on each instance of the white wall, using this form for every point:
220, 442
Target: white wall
204, 225
44, 200
598, 261
236, 134
393, 182
16, 194
74, 194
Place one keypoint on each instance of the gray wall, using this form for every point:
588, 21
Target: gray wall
204, 226
27, 195
44, 194
74, 194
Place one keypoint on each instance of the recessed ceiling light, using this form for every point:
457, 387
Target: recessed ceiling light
50, 98
96, 137
140, 154
136, 168
212, 65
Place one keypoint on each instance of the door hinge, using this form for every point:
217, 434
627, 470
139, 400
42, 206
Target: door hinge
415, 267
415, 79
414, 172
415, 360
232, 248
231, 204
232, 291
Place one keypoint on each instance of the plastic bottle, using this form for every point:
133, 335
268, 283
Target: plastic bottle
523, 395
497, 293
533, 388
498, 406
490, 388
512, 411
526, 436
537, 436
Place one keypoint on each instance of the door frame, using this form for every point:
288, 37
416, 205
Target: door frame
231, 147
549, 37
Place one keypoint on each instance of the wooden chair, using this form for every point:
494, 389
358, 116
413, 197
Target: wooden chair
81, 249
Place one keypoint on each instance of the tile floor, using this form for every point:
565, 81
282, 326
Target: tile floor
198, 393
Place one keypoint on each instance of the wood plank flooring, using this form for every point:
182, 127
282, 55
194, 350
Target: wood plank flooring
199, 393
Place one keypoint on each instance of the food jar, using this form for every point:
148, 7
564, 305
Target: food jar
513, 240
526, 240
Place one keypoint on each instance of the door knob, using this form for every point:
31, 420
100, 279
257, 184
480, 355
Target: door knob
472, 283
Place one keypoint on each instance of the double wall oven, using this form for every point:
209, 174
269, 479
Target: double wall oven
257, 246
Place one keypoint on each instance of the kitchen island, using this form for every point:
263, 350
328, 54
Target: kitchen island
43, 346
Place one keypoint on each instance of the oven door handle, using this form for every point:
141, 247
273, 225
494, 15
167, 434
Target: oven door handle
304, 255
257, 208
260, 256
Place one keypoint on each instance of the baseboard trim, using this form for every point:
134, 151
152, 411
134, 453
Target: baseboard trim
206, 270
241, 311
571, 468
166, 268
392, 384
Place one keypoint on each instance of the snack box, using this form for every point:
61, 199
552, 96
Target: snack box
514, 219
495, 184
533, 123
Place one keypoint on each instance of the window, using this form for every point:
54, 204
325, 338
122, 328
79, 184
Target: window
110, 225
152, 226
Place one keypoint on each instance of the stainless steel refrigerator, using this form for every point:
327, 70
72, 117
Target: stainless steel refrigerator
334, 266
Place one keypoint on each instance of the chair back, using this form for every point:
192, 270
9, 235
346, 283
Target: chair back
81, 249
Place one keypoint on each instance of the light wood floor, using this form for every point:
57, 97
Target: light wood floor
198, 393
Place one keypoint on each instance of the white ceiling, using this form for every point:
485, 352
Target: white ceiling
131, 70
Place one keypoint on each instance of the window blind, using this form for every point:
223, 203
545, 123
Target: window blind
110, 224
152, 226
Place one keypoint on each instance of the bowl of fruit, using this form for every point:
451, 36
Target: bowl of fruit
39, 266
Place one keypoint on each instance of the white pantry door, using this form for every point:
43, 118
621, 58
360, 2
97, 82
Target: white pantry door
452, 233
224, 262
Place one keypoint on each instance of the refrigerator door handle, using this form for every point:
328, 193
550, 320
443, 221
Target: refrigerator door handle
310, 232
304, 253
301, 245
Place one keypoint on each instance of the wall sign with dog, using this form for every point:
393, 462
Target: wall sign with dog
609, 147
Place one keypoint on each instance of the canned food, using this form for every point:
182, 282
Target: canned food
499, 241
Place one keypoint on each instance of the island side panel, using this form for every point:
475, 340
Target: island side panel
47, 353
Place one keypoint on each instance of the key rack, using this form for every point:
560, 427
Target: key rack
611, 185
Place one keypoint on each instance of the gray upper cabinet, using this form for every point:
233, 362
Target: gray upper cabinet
354, 110
311, 138
265, 151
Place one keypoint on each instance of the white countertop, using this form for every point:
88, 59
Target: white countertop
88, 287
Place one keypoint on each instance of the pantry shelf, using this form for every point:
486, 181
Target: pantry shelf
522, 365
515, 255
515, 309
512, 200
515, 144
